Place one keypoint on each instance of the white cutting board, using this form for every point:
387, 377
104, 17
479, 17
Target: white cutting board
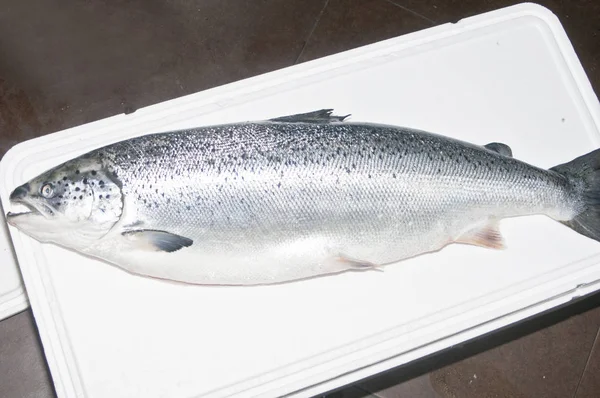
509, 76
13, 298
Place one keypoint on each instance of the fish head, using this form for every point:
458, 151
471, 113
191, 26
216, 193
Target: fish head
72, 205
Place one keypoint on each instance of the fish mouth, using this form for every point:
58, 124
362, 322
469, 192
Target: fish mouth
30, 210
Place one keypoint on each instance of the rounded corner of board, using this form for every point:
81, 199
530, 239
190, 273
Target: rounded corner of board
11, 155
12, 158
539, 11
525, 9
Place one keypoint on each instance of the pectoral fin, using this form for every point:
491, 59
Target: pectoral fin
152, 240
486, 236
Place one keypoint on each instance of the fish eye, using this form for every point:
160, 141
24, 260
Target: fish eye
47, 191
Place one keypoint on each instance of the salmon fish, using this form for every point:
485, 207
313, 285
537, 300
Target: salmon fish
292, 198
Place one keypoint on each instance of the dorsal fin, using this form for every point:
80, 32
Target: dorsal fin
500, 148
320, 116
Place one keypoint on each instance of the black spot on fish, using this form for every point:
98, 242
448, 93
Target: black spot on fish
107, 196
94, 172
65, 178
394, 175
101, 183
77, 189
80, 197
85, 181
60, 196
100, 196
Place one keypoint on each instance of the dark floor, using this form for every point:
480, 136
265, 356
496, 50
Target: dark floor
64, 63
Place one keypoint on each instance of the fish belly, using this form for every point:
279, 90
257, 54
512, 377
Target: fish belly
274, 262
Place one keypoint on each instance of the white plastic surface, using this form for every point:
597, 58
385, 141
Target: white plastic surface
13, 298
509, 76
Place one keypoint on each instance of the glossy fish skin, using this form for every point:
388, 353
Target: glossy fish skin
290, 198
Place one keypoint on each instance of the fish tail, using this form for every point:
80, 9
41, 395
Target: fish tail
585, 168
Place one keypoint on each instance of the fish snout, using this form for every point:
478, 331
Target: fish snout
20, 193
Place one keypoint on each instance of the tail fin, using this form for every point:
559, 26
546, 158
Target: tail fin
585, 168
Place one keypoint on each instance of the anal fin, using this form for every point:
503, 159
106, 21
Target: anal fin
488, 236
347, 263
153, 240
